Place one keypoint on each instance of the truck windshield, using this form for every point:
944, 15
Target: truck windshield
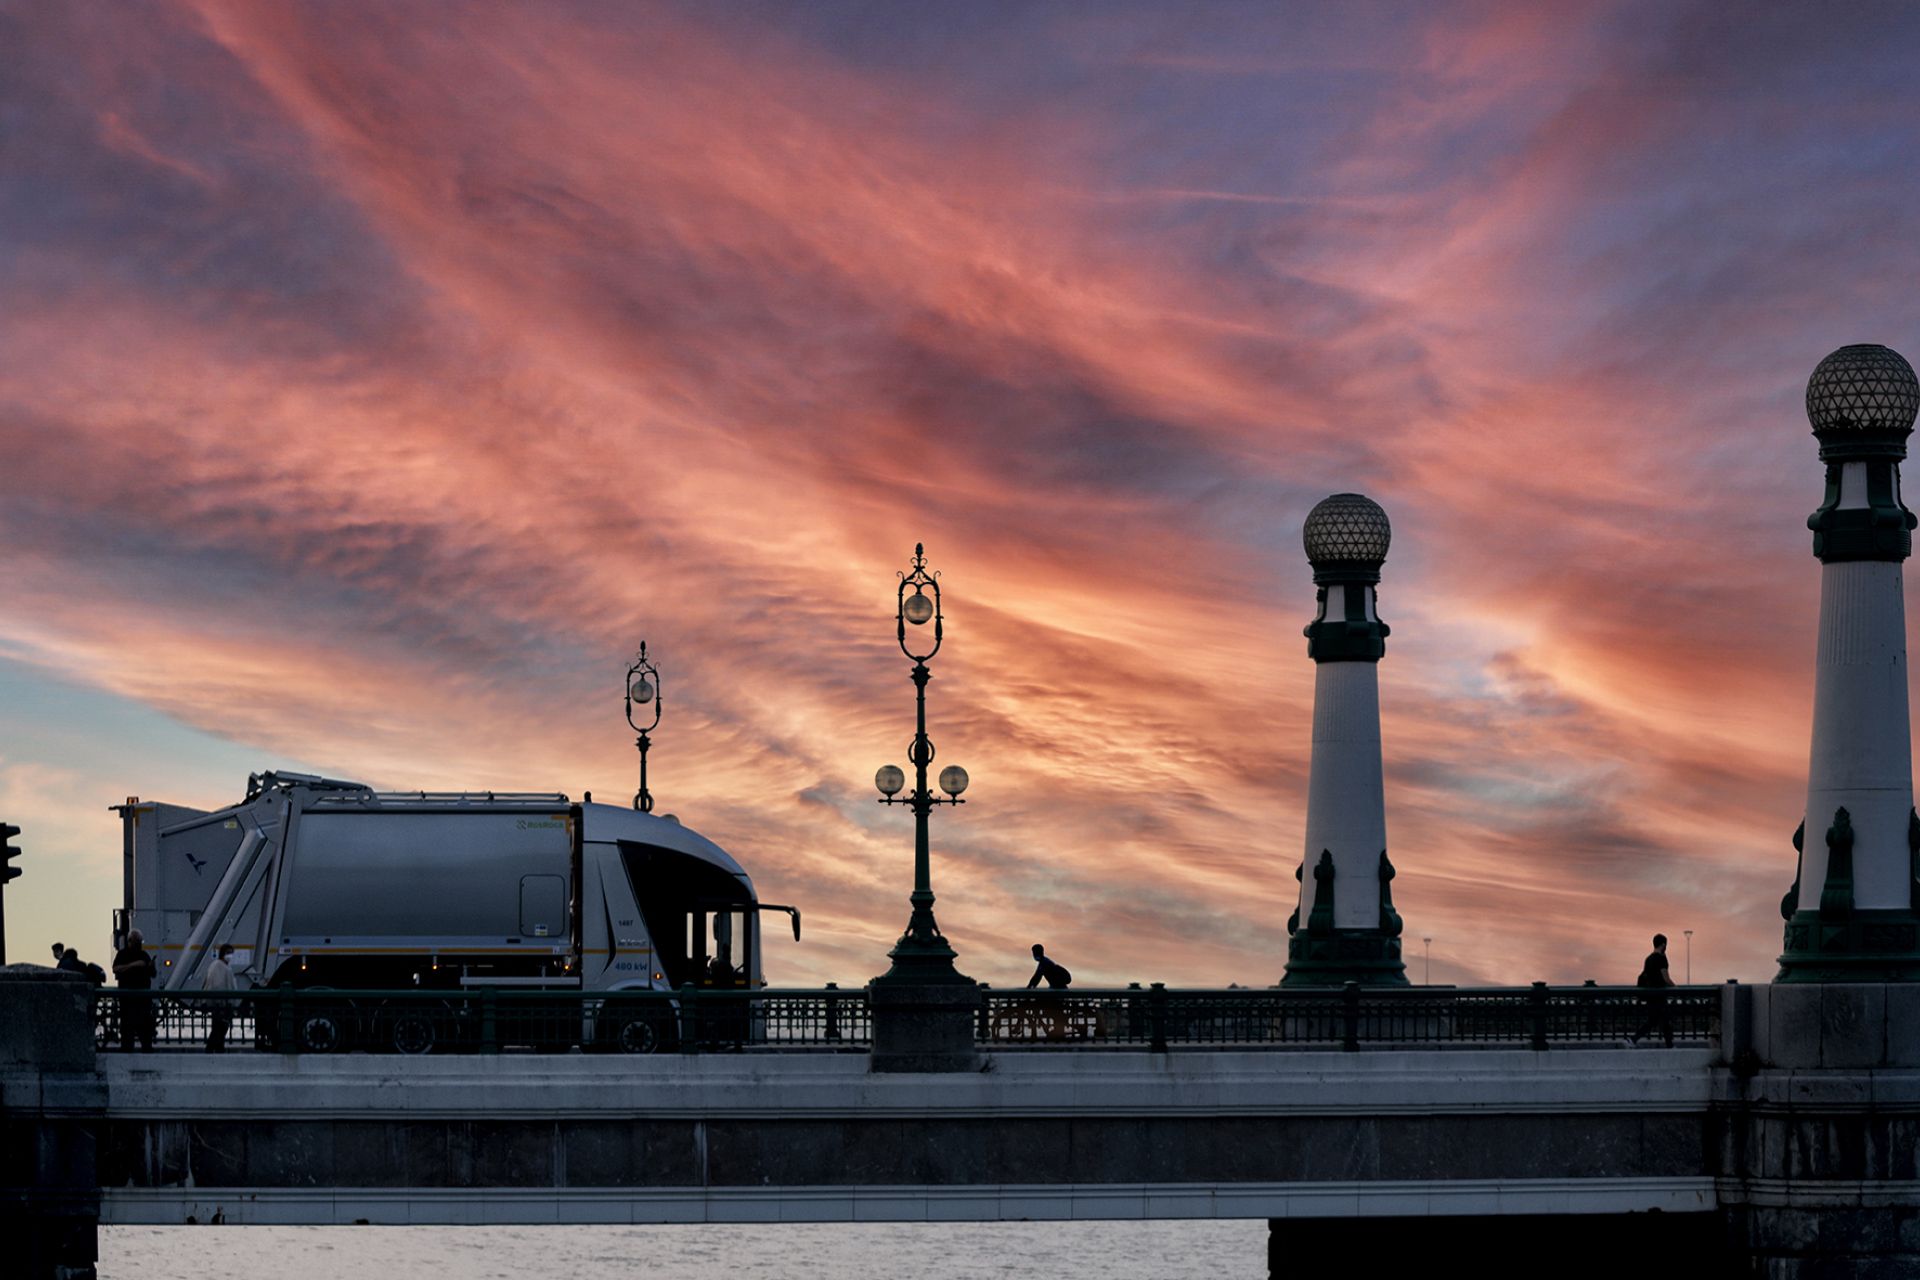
677, 893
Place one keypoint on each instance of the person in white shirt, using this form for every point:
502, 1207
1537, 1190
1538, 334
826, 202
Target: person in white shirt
220, 1013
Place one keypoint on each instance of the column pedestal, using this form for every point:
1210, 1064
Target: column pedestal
924, 1027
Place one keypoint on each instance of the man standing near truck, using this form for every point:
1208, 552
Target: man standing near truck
219, 1011
134, 970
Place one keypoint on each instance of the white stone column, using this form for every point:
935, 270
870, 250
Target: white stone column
1346, 802
1861, 760
1345, 929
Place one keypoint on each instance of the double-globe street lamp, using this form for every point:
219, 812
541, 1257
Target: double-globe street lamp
643, 695
922, 955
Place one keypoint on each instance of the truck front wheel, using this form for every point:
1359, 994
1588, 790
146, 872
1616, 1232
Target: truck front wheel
637, 1034
320, 1033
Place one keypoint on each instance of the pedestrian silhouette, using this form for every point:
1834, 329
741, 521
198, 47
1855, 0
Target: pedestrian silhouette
1653, 982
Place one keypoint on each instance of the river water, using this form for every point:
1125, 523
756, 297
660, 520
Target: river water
1200, 1250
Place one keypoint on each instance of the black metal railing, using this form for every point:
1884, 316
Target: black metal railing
485, 1020
698, 1020
1349, 1018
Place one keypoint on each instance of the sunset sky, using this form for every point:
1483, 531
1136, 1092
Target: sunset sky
374, 378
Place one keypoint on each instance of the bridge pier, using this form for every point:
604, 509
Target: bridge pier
1541, 1244
1819, 1144
51, 1099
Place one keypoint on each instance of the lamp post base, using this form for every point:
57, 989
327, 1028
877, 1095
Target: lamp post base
923, 963
1864, 946
922, 957
1334, 957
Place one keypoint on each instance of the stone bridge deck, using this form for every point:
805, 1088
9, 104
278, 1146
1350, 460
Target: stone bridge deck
265, 1138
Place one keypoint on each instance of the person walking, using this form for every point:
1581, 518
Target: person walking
1653, 981
134, 971
220, 1010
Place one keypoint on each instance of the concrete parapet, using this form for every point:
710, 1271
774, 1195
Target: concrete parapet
46, 1019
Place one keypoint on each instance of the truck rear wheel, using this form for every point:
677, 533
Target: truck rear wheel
413, 1033
320, 1033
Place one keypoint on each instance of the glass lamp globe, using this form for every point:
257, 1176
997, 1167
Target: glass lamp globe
918, 608
890, 779
953, 779
642, 690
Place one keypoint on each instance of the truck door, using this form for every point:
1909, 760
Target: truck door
543, 906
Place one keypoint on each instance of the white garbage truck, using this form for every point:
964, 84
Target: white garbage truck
322, 883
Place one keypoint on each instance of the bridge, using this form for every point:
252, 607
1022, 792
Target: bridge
1779, 1131
1775, 1130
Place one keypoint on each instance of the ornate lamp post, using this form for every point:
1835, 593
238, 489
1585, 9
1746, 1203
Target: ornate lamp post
643, 693
922, 956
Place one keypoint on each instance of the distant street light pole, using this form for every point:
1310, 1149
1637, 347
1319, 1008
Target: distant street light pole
643, 691
922, 954
1427, 981
1689, 934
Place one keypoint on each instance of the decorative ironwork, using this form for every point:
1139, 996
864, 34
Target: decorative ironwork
486, 1020
643, 691
1913, 859
1863, 388
1347, 528
922, 606
1836, 895
1390, 922
1791, 902
1320, 918
1840, 942
694, 1020
1349, 1017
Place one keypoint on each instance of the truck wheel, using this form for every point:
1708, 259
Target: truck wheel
413, 1034
637, 1035
320, 1033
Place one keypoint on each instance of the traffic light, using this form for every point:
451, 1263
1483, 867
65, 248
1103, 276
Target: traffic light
7, 872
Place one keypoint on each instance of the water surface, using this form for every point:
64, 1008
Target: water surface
1204, 1250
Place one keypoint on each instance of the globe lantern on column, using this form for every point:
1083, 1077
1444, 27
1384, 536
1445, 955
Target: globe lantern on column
1851, 913
643, 713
